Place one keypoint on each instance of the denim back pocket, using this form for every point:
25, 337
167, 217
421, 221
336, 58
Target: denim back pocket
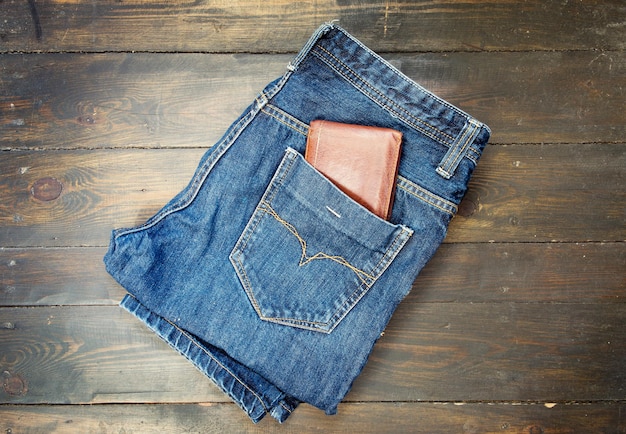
309, 253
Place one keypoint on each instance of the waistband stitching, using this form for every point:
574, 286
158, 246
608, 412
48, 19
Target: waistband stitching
426, 196
389, 101
286, 119
403, 77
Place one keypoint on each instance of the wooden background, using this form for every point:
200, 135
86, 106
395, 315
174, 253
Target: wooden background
516, 326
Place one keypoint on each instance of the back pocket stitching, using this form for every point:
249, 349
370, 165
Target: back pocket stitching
272, 190
367, 280
305, 259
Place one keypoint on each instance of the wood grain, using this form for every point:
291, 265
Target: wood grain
498, 351
127, 100
92, 355
459, 273
280, 25
430, 352
56, 276
92, 202
515, 326
524, 273
606, 417
188, 100
519, 193
546, 193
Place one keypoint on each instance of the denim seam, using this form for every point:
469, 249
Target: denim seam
389, 102
356, 296
282, 404
363, 276
403, 235
278, 320
301, 56
286, 119
470, 139
426, 196
198, 180
257, 218
290, 158
191, 191
398, 108
404, 78
349, 302
235, 377
272, 189
245, 282
194, 343
465, 137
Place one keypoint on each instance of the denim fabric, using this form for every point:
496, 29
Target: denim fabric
261, 272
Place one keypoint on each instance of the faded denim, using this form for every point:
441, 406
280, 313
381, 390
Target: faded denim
261, 272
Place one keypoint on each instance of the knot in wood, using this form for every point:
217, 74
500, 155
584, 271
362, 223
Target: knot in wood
46, 189
14, 384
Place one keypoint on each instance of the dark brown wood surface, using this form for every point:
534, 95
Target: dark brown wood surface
125, 100
281, 25
515, 326
400, 417
435, 352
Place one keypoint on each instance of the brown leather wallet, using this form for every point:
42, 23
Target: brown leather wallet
361, 160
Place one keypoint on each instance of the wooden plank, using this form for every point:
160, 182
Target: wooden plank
56, 276
188, 100
564, 97
430, 352
100, 190
460, 273
524, 272
92, 355
122, 100
519, 193
545, 193
280, 25
498, 352
504, 331
605, 417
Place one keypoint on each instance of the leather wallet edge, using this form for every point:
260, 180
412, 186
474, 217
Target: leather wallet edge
316, 131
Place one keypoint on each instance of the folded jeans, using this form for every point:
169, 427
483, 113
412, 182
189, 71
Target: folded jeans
265, 275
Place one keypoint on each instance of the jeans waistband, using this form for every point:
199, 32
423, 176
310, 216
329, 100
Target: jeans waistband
399, 95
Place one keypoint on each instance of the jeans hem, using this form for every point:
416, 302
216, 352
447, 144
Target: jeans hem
211, 362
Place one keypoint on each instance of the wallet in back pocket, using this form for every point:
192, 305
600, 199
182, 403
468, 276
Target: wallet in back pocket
360, 160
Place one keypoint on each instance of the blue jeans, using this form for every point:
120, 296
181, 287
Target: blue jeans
261, 272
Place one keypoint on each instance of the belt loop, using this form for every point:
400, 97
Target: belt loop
458, 149
321, 31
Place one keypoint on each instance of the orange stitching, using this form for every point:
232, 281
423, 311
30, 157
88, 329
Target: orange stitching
364, 277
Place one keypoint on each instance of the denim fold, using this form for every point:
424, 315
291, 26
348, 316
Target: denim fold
266, 276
